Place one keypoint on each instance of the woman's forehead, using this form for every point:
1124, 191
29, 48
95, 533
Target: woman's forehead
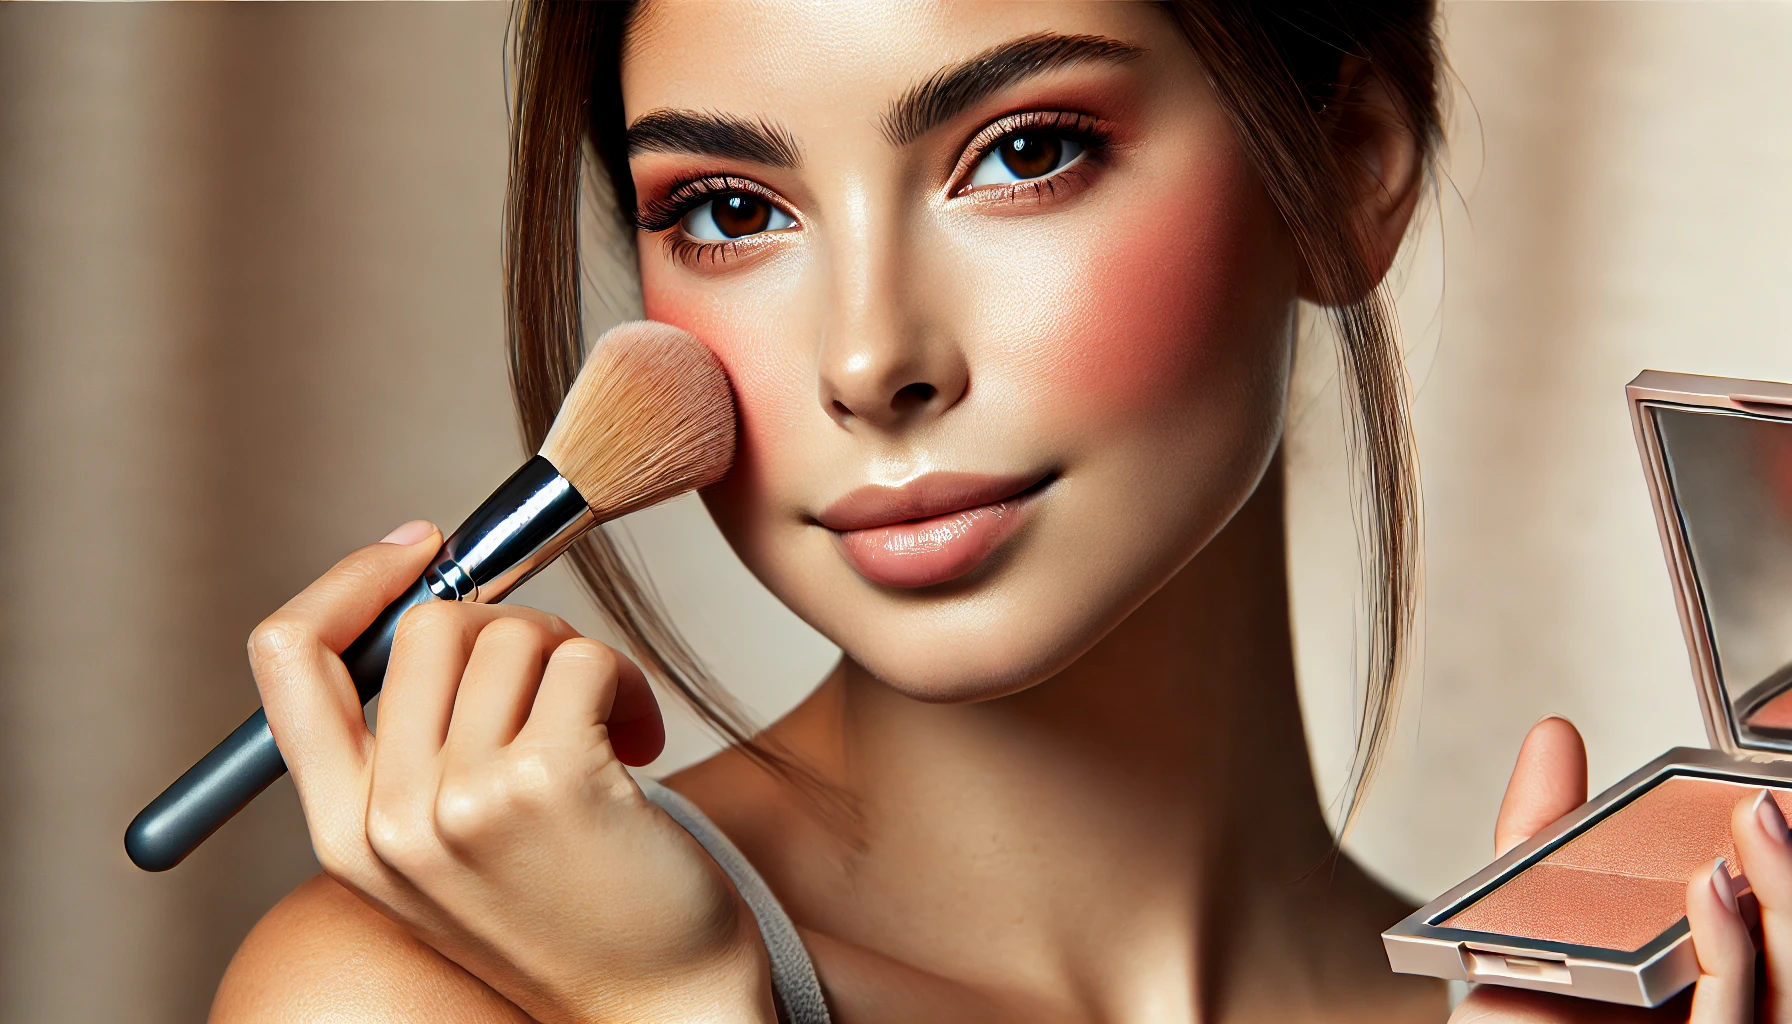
818, 65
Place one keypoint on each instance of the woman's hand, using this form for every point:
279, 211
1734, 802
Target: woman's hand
491, 814
1550, 780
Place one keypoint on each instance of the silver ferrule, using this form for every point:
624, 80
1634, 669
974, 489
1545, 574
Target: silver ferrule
526, 522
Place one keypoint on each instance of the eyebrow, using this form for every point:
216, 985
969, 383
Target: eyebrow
953, 89
711, 134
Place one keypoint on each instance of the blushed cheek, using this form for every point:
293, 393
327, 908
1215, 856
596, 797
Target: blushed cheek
1174, 297
750, 332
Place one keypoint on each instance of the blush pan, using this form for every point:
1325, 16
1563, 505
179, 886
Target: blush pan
1621, 883
1594, 904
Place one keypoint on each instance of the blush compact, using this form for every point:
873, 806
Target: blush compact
1595, 905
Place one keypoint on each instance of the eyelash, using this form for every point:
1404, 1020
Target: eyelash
667, 211
1087, 131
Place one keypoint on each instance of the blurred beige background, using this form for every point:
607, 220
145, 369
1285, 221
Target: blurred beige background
249, 319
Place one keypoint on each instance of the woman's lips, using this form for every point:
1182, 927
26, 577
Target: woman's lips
935, 528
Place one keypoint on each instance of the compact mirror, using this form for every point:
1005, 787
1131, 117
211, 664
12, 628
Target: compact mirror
1594, 904
1730, 475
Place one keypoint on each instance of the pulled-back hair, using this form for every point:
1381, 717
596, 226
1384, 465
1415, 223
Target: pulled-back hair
1275, 67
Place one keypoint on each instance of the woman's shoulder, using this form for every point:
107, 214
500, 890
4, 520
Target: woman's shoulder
323, 954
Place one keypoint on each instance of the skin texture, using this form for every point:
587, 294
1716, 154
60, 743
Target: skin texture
1130, 334
324, 934
1074, 773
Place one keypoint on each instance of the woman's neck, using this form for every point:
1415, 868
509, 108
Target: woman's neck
1178, 734
1144, 822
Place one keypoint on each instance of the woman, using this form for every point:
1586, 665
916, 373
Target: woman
1007, 293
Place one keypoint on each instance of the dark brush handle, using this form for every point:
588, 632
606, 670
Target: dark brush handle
247, 762
525, 524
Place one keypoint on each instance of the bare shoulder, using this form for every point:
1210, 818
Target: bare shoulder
323, 955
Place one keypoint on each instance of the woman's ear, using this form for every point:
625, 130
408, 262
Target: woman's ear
1370, 130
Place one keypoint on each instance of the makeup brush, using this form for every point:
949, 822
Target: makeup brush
649, 417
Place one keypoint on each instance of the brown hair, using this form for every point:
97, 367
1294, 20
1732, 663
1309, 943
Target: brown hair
1274, 67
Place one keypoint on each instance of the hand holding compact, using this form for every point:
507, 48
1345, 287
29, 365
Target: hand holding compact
1550, 781
491, 813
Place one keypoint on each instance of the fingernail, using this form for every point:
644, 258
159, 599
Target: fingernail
1546, 718
1720, 882
410, 533
1773, 821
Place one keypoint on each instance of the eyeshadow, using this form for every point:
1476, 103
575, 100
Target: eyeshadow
1621, 883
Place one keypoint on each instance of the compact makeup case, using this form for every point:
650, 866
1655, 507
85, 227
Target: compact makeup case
1594, 905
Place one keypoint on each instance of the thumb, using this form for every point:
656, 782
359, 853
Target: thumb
1549, 780
341, 603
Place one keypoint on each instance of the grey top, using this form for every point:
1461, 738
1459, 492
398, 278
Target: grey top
793, 975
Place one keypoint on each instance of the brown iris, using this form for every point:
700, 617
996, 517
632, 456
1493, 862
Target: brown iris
1031, 156
740, 213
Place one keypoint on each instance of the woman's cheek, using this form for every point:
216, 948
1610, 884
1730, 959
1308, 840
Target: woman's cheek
750, 330
1144, 310
735, 318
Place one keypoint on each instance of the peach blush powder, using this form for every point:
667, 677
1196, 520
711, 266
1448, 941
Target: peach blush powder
1622, 882
1775, 714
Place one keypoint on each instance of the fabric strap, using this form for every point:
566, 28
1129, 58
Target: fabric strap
793, 975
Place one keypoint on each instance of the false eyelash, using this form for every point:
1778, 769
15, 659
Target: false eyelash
1085, 130
668, 210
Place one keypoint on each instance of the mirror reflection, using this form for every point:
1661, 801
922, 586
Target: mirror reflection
1731, 478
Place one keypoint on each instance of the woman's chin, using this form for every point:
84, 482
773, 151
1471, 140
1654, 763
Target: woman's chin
936, 684
949, 671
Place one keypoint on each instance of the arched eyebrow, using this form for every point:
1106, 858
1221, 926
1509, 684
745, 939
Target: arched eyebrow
711, 134
952, 89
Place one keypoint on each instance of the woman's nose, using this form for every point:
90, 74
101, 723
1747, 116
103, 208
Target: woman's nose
884, 365
887, 381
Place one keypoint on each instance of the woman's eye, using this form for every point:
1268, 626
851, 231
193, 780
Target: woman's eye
734, 215
1024, 157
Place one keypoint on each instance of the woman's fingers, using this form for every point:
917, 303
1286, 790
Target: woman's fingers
1549, 780
431, 678
440, 691
1725, 992
311, 701
429, 655
1765, 850
339, 604
499, 685
587, 684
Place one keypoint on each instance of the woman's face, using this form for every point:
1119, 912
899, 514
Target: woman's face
1008, 315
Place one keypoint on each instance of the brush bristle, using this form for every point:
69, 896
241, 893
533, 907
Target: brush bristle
650, 417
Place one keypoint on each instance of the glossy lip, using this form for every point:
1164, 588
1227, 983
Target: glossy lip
932, 529
933, 494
